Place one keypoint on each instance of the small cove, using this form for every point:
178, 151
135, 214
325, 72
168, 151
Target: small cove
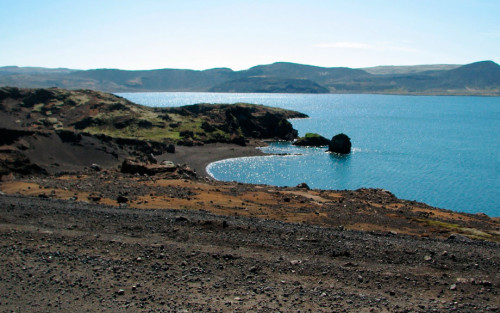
440, 150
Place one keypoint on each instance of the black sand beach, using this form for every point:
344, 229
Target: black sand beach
198, 157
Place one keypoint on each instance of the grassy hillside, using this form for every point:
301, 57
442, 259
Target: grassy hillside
99, 113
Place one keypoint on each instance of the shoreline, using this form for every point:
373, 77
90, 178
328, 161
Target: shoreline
199, 157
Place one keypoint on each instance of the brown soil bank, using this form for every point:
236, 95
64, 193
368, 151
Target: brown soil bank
363, 209
60, 255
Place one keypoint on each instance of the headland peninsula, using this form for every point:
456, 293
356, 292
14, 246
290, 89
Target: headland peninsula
106, 206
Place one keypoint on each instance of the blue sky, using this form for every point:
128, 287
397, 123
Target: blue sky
193, 34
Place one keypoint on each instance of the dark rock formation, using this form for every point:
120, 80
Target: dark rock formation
145, 146
60, 130
243, 120
312, 140
9, 136
170, 148
303, 186
132, 167
84, 111
340, 143
166, 168
122, 199
13, 160
69, 136
238, 140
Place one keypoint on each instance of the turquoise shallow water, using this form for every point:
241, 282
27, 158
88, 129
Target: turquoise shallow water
444, 151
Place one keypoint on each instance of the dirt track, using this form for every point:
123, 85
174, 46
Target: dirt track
61, 255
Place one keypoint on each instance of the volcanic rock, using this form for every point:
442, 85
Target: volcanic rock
121, 199
303, 186
312, 140
340, 143
132, 167
13, 160
170, 148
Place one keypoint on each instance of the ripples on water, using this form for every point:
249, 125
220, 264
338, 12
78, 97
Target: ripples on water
440, 150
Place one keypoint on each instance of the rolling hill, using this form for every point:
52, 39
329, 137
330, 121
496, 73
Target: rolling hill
408, 69
480, 78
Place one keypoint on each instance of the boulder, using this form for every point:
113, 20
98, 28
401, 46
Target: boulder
69, 136
312, 140
340, 143
166, 169
121, 199
239, 140
303, 186
96, 167
171, 148
131, 167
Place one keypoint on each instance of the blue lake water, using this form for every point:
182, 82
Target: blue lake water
444, 151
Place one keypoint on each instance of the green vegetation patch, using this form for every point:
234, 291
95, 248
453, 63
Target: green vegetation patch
38, 107
472, 233
150, 126
312, 140
312, 135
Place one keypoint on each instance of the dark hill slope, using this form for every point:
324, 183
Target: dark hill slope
47, 130
106, 114
320, 75
156, 80
115, 80
270, 85
480, 78
485, 74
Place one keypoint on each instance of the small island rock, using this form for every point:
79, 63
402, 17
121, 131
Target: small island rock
312, 140
340, 143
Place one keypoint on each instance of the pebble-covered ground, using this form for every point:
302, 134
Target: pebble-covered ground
62, 256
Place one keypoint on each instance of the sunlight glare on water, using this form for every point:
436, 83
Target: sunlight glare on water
440, 150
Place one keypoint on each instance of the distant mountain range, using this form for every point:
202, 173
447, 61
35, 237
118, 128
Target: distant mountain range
480, 78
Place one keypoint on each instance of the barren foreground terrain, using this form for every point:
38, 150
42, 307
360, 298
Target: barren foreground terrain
268, 249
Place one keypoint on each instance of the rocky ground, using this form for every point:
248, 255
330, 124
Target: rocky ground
267, 249
58, 255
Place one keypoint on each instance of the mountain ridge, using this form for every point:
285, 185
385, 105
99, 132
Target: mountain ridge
478, 78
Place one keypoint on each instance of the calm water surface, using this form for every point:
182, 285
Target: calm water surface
444, 151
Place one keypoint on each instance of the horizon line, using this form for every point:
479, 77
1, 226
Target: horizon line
214, 68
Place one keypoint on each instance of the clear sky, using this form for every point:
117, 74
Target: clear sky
152, 34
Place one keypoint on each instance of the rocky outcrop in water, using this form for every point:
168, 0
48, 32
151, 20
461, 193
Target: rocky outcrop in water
340, 143
312, 140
